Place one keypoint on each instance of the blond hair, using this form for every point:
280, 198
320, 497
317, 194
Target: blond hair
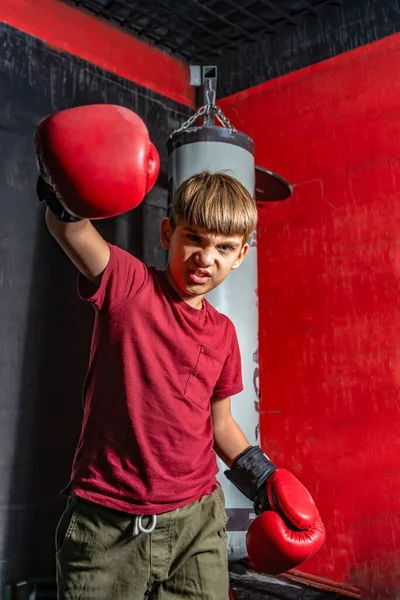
216, 202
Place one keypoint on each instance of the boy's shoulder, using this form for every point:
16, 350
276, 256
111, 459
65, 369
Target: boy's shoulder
218, 317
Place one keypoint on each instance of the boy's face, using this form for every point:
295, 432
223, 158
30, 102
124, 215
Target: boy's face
199, 260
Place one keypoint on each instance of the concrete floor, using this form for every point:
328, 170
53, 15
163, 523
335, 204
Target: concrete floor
247, 585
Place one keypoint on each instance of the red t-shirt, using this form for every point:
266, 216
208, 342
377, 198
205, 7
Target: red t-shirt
146, 444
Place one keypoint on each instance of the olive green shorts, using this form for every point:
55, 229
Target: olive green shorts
102, 556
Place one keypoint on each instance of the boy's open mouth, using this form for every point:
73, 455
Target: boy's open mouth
199, 275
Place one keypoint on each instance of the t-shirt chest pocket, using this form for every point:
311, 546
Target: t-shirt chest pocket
202, 380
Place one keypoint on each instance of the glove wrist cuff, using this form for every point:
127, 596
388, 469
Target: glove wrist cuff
250, 471
47, 194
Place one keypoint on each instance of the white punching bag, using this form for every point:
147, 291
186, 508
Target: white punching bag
221, 149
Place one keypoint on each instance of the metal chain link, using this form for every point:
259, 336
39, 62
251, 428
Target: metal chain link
225, 122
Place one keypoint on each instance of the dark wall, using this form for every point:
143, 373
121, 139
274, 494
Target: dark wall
44, 329
340, 26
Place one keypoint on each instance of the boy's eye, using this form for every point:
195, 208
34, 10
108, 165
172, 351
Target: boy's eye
193, 238
226, 249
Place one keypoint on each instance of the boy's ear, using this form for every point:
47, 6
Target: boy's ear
165, 233
243, 251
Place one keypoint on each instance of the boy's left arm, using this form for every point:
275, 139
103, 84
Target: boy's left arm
290, 530
255, 475
229, 439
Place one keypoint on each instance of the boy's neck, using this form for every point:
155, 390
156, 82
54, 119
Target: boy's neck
193, 301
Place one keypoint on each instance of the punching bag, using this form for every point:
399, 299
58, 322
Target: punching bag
192, 149
220, 149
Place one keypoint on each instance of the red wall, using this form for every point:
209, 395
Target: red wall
71, 30
329, 294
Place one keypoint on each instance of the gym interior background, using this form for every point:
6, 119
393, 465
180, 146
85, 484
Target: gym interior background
315, 83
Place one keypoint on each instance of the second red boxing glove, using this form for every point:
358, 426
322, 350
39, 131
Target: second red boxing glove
289, 529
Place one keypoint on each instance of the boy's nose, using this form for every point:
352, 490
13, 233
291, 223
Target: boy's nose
204, 258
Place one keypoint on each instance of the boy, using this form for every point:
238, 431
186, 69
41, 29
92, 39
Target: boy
145, 516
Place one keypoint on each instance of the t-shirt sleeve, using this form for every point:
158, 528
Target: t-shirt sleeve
122, 279
230, 381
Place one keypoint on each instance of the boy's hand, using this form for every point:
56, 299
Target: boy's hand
95, 161
289, 529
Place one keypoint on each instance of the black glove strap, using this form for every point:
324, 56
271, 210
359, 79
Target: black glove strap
250, 471
46, 194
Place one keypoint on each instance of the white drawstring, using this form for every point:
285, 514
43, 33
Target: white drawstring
138, 527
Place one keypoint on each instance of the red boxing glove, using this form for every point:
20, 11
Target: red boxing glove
98, 159
274, 547
290, 532
289, 529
